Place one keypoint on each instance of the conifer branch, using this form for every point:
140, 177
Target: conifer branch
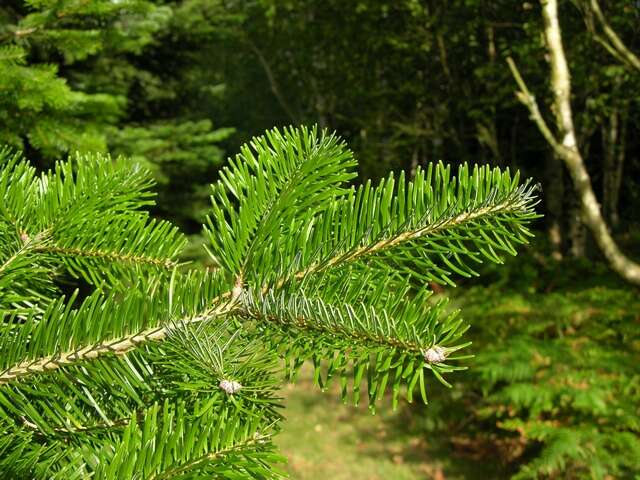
517, 202
117, 346
165, 263
12, 258
239, 449
81, 429
407, 236
314, 317
310, 268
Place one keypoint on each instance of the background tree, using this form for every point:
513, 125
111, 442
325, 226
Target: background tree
404, 101
566, 147
75, 79
43, 111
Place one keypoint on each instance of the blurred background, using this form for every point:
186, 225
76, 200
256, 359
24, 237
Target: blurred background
554, 389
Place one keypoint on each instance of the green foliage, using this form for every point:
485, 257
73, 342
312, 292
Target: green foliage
432, 83
39, 107
71, 81
85, 218
555, 384
181, 155
167, 372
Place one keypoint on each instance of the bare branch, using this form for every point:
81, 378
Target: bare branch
529, 101
614, 45
567, 149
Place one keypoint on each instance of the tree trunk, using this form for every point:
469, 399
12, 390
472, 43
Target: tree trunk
413, 168
576, 232
568, 150
554, 198
613, 147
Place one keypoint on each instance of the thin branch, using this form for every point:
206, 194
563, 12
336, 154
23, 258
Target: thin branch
617, 45
432, 229
12, 258
19, 33
442, 49
82, 429
117, 346
313, 325
29, 244
40, 243
25, 32
272, 81
567, 149
609, 48
529, 101
109, 255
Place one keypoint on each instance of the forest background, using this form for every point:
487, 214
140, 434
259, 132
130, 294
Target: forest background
554, 390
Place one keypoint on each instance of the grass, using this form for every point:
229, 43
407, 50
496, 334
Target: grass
325, 439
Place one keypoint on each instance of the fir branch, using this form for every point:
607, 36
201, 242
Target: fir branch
313, 316
165, 263
398, 238
228, 440
14, 256
68, 432
118, 346
88, 216
427, 227
281, 175
517, 201
310, 268
239, 449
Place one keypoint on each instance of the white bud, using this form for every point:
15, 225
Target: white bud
230, 386
236, 292
435, 355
